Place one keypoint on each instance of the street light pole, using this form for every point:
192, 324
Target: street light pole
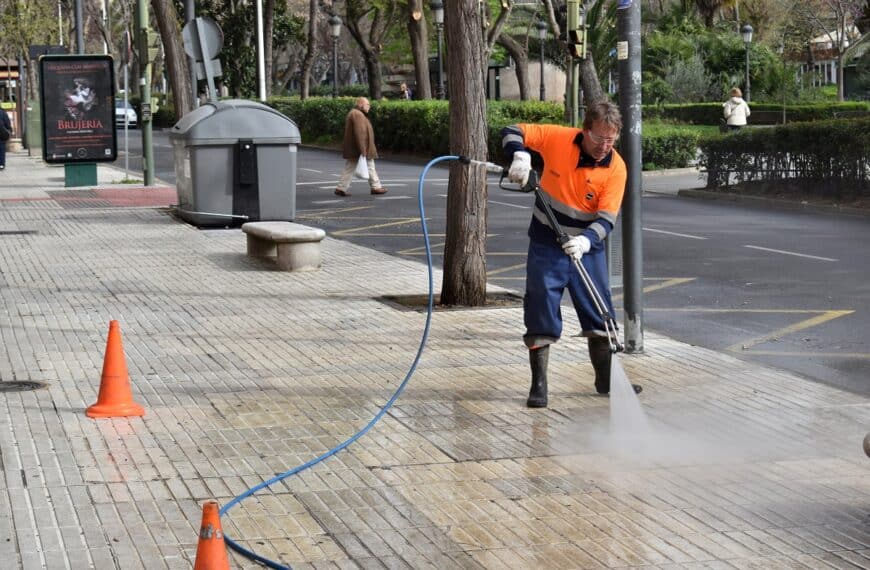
438, 13
746, 32
542, 35
335, 31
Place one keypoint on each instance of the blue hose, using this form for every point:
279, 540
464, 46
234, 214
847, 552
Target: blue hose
265, 561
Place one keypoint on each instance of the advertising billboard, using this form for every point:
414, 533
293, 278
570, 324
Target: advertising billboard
78, 108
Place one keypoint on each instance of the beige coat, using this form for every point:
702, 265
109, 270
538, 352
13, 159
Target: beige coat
359, 137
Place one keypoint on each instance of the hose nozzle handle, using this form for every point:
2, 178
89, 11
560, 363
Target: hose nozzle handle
491, 167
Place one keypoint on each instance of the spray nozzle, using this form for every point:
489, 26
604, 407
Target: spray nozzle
491, 167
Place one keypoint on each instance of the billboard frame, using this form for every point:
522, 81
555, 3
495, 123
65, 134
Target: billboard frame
77, 96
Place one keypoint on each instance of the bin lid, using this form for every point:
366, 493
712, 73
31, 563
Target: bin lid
225, 122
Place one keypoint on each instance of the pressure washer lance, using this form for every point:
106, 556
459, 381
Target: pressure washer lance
533, 186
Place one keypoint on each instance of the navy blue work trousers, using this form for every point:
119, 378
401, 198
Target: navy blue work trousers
548, 272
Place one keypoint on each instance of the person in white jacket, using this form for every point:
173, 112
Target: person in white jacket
736, 110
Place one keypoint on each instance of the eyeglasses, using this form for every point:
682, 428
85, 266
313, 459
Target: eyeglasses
600, 140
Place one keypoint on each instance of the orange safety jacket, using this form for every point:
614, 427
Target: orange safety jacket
582, 195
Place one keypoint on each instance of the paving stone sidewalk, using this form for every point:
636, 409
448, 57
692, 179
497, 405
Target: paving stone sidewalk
246, 372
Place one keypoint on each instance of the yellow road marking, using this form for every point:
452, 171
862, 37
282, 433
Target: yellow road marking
668, 282
389, 224
312, 213
505, 269
419, 250
804, 324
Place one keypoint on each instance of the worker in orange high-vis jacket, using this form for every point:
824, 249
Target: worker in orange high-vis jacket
583, 179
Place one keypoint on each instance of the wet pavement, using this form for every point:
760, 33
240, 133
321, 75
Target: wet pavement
245, 372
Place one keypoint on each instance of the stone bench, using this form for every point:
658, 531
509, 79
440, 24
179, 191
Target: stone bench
296, 247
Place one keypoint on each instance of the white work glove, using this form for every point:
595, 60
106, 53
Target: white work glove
577, 246
520, 168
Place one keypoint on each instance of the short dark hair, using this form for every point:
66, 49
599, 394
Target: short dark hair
605, 112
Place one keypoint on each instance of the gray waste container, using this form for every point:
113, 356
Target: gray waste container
235, 162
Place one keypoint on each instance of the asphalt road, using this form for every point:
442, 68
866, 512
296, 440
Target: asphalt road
784, 288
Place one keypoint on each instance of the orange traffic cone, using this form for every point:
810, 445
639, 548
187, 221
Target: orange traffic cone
211, 553
116, 397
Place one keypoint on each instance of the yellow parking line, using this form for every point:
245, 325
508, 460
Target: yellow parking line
389, 224
419, 250
505, 269
668, 282
804, 324
319, 211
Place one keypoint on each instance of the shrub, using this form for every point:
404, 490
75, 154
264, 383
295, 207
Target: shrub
837, 163
422, 127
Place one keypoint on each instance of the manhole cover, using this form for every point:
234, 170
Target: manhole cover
21, 386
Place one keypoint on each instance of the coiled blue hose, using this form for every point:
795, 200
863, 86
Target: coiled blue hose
265, 561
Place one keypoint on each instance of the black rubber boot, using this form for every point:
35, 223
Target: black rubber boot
600, 355
538, 358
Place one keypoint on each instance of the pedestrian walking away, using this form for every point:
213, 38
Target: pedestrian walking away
735, 110
359, 140
5, 134
583, 181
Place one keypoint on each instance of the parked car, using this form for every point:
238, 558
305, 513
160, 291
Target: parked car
121, 113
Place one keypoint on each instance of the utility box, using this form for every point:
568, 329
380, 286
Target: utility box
235, 162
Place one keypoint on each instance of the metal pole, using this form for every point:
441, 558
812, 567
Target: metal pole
628, 48
440, 64
126, 122
59, 24
261, 67
334, 67
747, 72
543, 92
145, 87
80, 32
189, 15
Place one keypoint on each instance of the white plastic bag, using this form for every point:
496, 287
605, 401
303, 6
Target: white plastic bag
362, 168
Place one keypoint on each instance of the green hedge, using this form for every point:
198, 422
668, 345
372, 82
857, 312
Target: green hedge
762, 113
831, 157
422, 127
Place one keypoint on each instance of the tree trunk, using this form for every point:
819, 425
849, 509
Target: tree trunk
176, 60
520, 54
841, 93
310, 49
589, 82
464, 281
373, 69
419, 37
268, 26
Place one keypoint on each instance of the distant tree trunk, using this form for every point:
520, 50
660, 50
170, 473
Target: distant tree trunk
520, 54
589, 82
310, 49
268, 26
464, 281
368, 24
176, 61
373, 70
419, 37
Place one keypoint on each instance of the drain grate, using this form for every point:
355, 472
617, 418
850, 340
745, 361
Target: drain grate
18, 232
21, 386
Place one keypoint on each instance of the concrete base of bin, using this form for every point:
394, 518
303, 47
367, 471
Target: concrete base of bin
295, 247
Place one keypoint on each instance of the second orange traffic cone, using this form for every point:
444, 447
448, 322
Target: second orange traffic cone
116, 398
211, 552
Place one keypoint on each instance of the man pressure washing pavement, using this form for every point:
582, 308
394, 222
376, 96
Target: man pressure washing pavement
583, 181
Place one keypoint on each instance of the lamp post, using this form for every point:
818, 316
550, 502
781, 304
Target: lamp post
746, 32
438, 13
334, 31
542, 35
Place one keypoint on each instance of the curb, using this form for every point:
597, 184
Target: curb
773, 202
